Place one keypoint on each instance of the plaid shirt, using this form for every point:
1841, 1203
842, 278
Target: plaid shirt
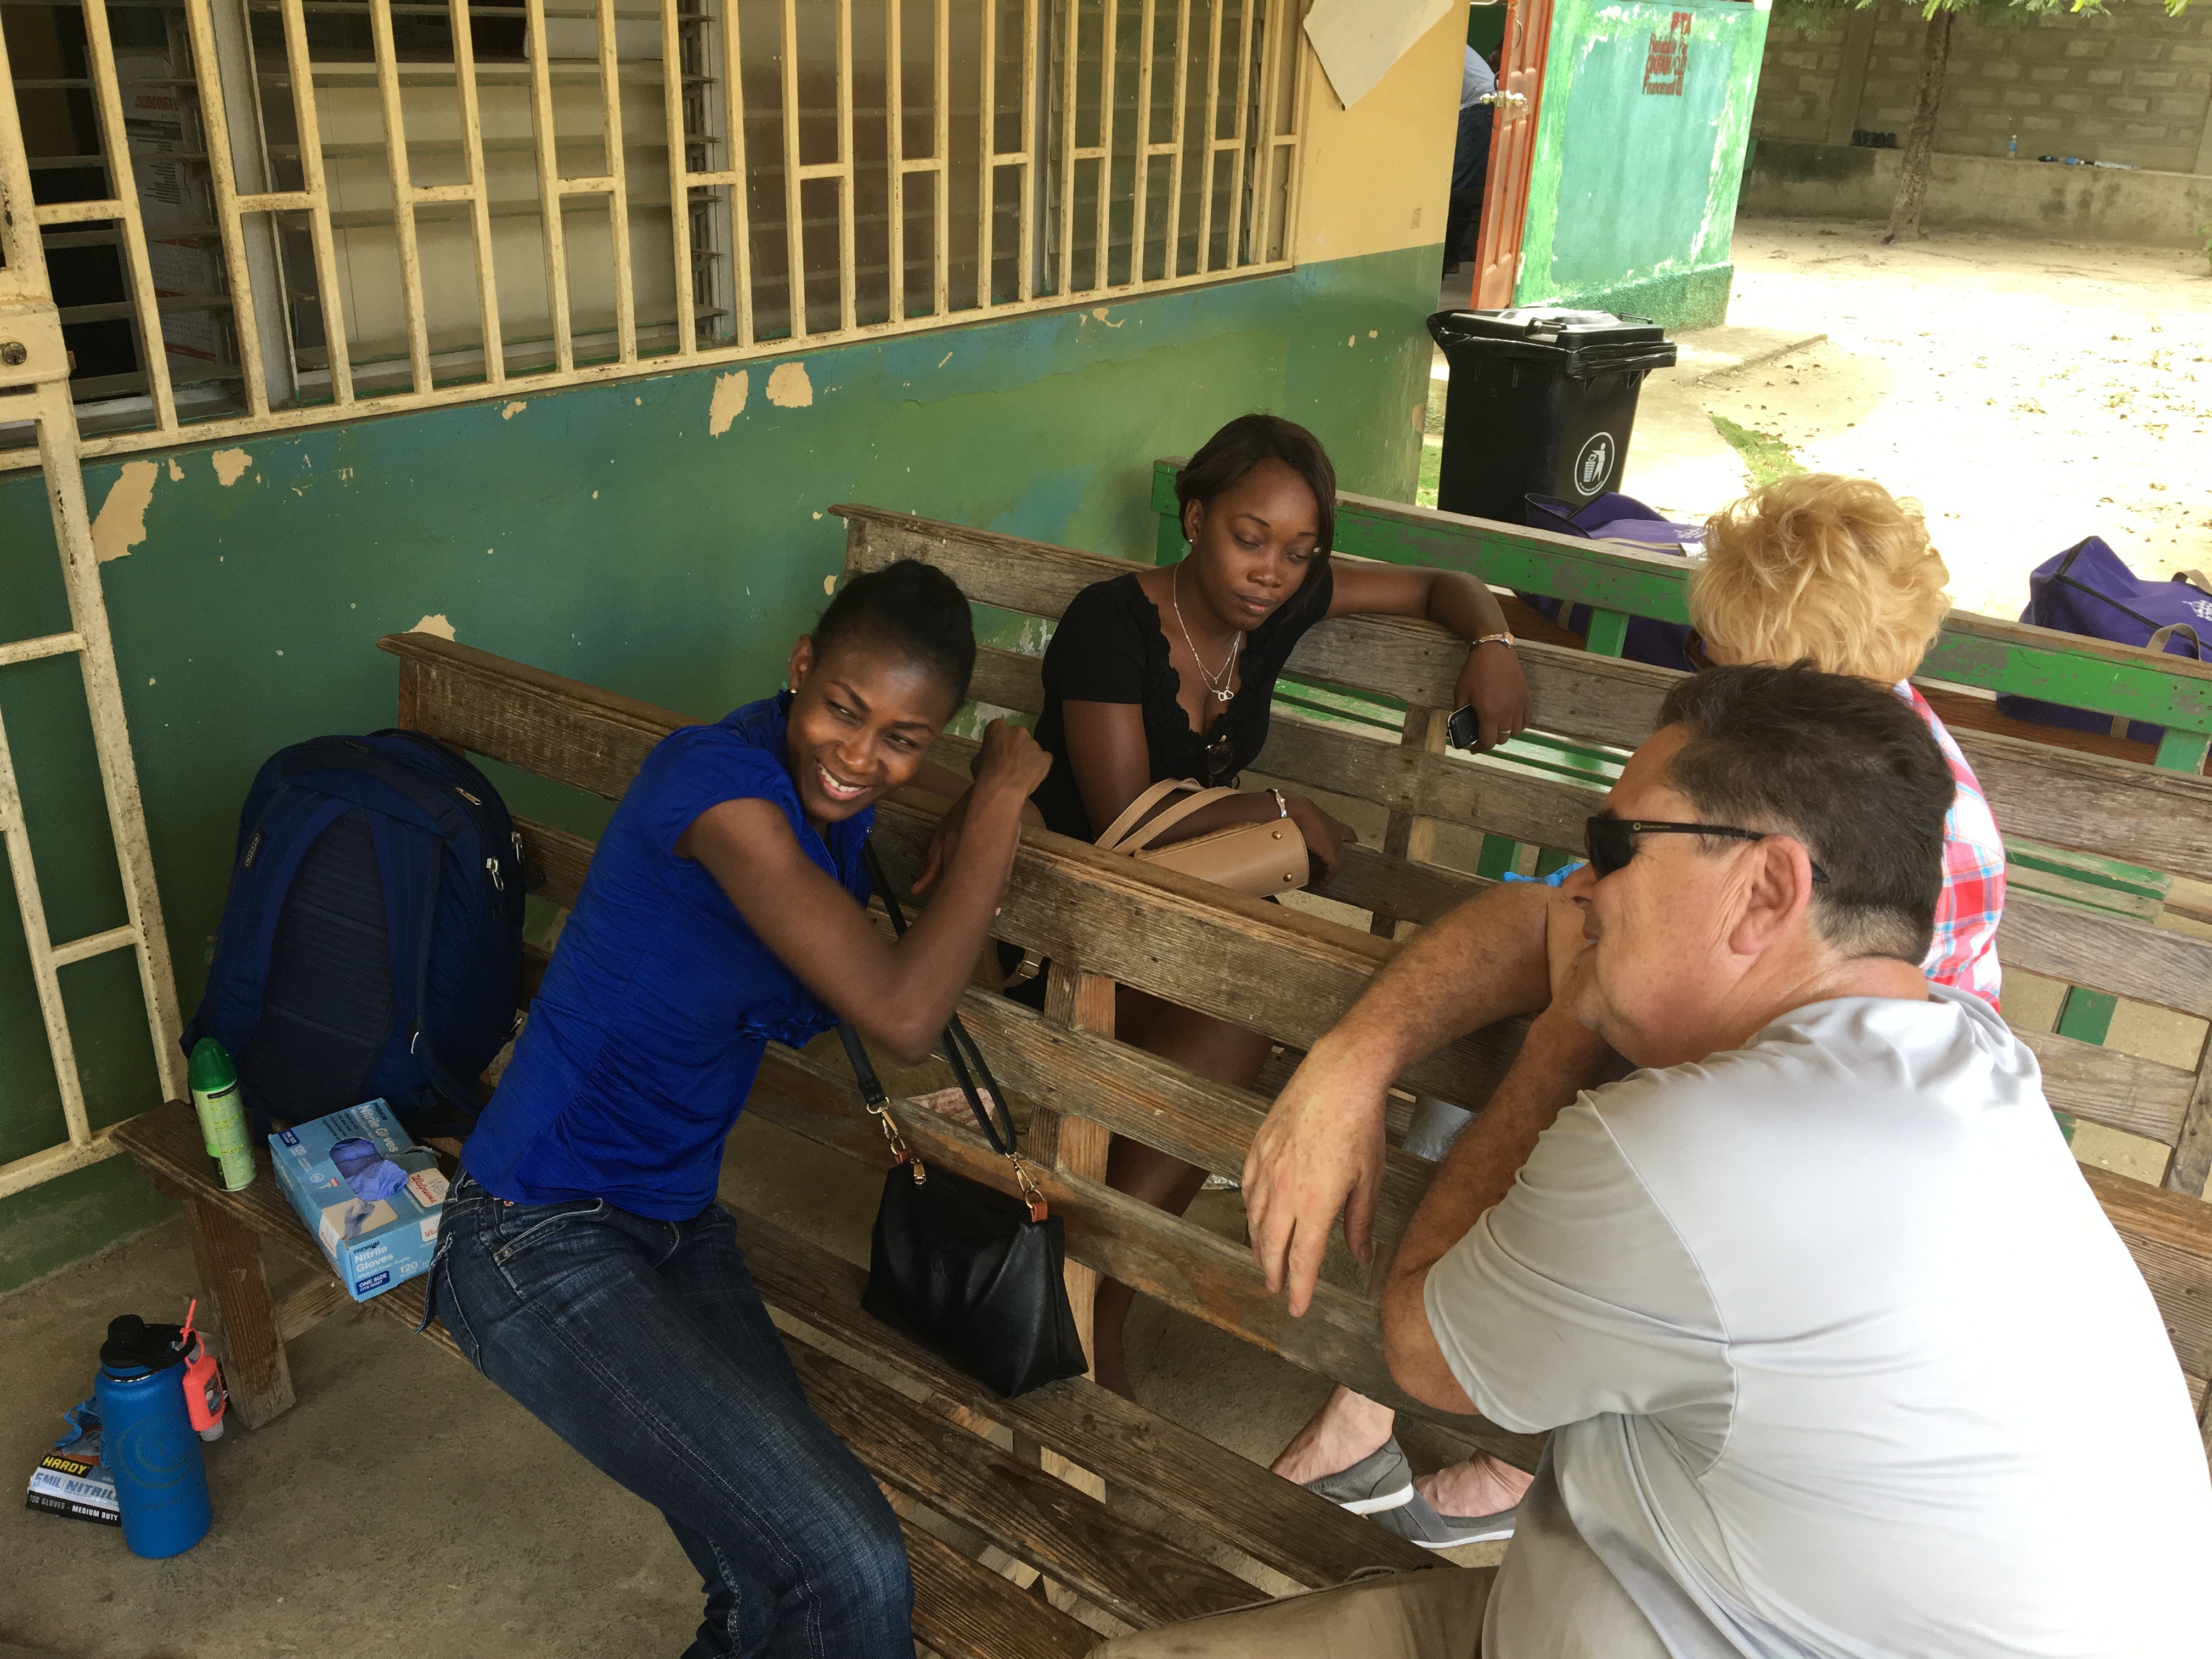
1964, 954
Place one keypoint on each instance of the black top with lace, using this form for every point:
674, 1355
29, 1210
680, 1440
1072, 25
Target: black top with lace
1111, 647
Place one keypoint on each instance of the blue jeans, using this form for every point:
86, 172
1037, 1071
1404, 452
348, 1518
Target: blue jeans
644, 1345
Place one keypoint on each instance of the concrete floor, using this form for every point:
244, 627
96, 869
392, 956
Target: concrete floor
406, 1507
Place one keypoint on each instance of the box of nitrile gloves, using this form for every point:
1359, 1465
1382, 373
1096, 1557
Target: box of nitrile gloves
370, 1195
76, 1484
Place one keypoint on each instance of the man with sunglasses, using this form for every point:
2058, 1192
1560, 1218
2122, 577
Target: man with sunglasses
1838, 1353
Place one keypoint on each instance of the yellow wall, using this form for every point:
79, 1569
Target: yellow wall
1377, 175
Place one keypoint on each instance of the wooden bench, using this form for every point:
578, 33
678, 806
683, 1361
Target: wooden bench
1105, 920
2086, 803
924, 1428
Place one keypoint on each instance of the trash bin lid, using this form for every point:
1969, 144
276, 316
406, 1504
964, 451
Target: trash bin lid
1579, 342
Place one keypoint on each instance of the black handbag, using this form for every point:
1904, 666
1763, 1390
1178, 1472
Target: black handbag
971, 1272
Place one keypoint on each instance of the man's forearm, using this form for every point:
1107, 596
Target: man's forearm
1559, 1060
1482, 961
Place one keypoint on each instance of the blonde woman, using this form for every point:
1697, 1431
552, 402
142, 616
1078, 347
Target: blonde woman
1831, 570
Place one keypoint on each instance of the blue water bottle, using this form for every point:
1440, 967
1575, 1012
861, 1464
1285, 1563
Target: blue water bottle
148, 1441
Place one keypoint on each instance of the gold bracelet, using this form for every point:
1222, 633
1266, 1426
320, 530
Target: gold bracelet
1506, 639
1282, 806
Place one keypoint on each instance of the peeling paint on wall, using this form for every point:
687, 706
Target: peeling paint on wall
176, 473
789, 388
434, 623
230, 465
514, 409
729, 402
121, 525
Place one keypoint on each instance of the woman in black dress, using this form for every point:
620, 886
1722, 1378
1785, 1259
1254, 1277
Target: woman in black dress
1167, 673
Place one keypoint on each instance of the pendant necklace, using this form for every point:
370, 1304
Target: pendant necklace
1221, 692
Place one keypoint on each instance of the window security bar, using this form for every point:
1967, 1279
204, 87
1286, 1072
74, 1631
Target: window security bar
288, 213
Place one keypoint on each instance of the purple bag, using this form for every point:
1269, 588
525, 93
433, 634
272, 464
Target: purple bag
2087, 590
1618, 518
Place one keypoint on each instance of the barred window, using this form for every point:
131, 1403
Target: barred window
420, 200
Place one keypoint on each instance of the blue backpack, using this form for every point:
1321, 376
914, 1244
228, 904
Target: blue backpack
2087, 589
372, 939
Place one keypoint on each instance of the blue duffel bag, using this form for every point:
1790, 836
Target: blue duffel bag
1617, 518
2087, 590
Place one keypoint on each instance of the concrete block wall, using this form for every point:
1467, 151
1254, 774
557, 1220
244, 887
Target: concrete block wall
2129, 85
1797, 83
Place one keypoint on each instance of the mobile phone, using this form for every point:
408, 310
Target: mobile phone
1464, 729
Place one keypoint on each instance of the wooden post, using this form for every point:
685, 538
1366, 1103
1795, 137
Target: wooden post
1081, 1002
1075, 1001
237, 1315
1404, 835
2191, 1160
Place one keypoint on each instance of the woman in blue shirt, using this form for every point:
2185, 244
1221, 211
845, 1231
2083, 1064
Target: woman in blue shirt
584, 1264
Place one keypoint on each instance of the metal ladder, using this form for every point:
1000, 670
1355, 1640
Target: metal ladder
34, 368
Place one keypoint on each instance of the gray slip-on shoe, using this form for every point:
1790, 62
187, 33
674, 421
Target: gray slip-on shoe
1418, 1521
1377, 1483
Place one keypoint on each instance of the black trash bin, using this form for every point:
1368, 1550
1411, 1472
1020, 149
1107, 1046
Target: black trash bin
1542, 403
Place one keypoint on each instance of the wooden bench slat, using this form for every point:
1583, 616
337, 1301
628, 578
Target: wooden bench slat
2105, 952
1034, 1517
1133, 1093
1171, 1260
1498, 797
963, 1610
559, 728
1180, 938
2126, 1091
2090, 802
1306, 1538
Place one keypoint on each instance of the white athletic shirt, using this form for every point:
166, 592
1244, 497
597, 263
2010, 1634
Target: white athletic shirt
1843, 1357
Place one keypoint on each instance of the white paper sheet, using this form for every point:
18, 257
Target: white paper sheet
1358, 41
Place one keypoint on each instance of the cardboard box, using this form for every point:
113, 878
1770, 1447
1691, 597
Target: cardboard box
371, 1197
75, 1484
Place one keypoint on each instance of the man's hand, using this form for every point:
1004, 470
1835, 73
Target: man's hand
1320, 1152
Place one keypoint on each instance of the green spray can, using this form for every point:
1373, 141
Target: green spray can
222, 1113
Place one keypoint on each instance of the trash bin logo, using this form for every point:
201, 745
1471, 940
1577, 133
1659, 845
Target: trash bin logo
1594, 465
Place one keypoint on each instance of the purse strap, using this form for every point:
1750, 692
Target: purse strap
965, 1058
1114, 840
1136, 809
2195, 579
2161, 637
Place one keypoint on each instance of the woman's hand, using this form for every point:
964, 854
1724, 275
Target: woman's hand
1009, 759
1326, 837
1493, 684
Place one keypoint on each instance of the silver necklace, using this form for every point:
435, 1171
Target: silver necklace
1221, 692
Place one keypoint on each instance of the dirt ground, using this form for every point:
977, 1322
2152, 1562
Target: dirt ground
2029, 393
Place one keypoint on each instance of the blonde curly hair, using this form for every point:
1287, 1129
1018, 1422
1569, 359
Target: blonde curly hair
1824, 569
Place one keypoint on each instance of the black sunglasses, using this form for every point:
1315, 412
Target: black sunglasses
1610, 842
1220, 761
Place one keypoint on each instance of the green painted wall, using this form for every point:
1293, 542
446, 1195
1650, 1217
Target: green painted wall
604, 532
1632, 195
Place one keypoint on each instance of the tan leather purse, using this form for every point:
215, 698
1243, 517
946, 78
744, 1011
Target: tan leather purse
1258, 859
